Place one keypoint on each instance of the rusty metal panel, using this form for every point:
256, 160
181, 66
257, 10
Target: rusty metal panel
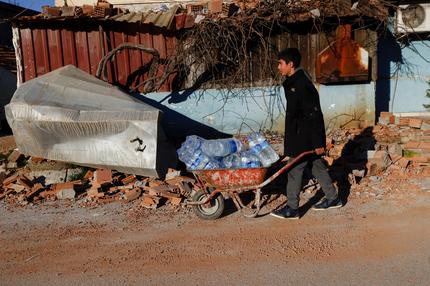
40, 52
29, 67
160, 46
110, 69
55, 49
170, 49
45, 50
82, 52
343, 61
136, 76
122, 69
95, 50
147, 41
68, 47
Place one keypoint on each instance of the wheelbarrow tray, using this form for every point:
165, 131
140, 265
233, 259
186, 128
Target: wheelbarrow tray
232, 178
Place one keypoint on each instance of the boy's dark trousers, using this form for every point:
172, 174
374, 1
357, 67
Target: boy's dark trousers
295, 175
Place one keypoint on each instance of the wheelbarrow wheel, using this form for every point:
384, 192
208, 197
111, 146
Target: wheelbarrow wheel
210, 210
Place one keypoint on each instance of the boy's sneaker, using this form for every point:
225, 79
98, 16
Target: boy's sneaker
328, 204
286, 213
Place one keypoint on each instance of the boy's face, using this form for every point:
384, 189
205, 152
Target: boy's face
285, 69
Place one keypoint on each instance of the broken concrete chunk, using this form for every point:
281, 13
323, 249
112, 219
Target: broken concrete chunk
172, 173
395, 149
17, 188
359, 173
12, 165
425, 126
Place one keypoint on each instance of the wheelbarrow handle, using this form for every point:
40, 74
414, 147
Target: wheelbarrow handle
298, 158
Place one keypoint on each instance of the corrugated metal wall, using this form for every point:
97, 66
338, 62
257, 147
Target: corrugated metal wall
46, 49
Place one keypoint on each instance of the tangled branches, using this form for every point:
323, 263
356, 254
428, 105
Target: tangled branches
238, 51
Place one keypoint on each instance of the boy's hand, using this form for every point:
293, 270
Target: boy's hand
319, 151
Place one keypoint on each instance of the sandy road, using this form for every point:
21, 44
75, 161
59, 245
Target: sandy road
377, 243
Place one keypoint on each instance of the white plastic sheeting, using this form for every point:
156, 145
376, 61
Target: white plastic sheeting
71, 116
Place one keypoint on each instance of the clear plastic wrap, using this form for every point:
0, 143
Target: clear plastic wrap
71, 116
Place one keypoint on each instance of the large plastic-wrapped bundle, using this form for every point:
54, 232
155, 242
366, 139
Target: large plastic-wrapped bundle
69, 115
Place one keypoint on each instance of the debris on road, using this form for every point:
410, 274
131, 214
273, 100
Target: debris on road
389, 159
89, 188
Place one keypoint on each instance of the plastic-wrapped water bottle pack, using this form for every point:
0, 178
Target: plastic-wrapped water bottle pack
198, 153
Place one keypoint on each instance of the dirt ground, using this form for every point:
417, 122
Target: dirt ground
368, 242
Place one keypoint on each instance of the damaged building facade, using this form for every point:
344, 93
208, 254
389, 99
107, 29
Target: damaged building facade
351, 61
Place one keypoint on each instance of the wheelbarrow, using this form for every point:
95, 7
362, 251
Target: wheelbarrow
213, 186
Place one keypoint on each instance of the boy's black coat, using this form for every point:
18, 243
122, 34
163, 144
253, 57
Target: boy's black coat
304, 122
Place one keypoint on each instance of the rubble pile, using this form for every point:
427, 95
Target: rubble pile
90, 187
391, 159
387, 159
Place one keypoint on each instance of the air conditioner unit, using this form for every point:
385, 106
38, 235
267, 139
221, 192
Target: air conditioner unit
413, 18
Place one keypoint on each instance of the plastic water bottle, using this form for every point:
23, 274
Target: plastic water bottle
213, 164
193, 142
221, 147
249, 160
231, 161
198, 161
190, 153
260, 147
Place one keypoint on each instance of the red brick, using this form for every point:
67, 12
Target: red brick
411, 145
150, 202
63, 186
6, 193
36, 160
133, 194
14, 156
103, 176
175, 201
403, 121
25, 182
415, 122
46, 194
35, 189
424, 145
419, 159
177, 180
403, 162
89, 175
155, 183
385, 114
129, 179
215, 6
87, 9
10, 179
17, 188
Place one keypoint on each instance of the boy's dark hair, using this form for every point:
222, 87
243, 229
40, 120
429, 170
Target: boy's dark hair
290, 55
